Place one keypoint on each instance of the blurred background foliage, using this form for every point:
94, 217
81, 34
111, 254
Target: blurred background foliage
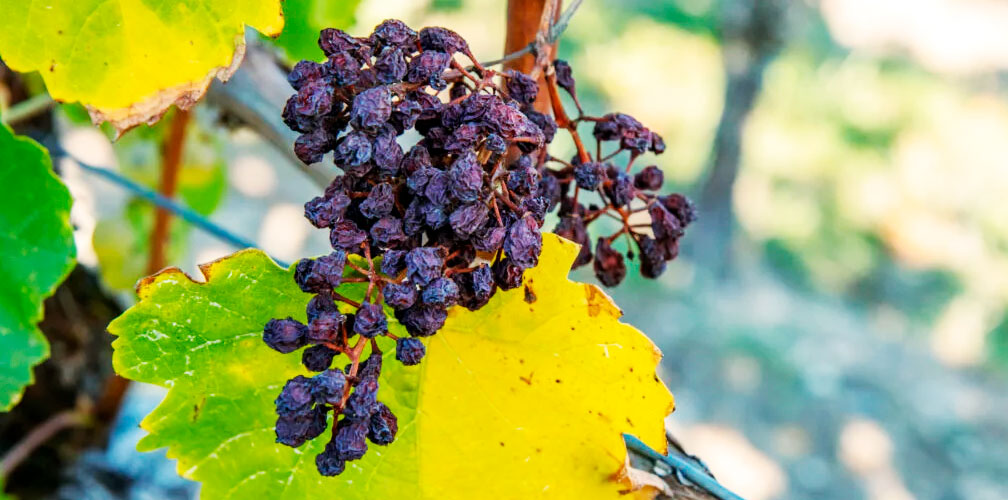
851, 342
836, 325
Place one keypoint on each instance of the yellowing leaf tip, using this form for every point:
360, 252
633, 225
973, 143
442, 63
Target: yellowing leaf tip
567, 250
208, 269
183, 96
145, 285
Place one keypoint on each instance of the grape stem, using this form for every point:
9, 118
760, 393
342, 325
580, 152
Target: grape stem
370, 273
562, 120
345, 300
633, 156
554, 33
458, 67
609, 156
357, 268
493, 203
171, 162
354, 355
558, 160
506, 201
609, 210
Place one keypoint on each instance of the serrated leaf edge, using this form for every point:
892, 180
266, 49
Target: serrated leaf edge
64, 221
596, 299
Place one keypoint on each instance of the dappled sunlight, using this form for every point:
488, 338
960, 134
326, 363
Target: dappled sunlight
867, 450
91, 146
283, 231
676, 88
252, 176
945, 35
959, 334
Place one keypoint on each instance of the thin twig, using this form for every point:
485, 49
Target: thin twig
690, 471
171, 162
38, 436
561, 23
554, 34
185, 213
543, 45
27, 108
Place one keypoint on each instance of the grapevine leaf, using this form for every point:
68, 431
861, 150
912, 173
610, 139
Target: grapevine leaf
305, 18
524, 398
129, 61
36, 253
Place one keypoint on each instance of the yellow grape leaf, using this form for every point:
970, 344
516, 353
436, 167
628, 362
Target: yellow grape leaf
128, 61
525, 398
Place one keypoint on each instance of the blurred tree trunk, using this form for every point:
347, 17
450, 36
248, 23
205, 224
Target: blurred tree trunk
751, 33
523, 23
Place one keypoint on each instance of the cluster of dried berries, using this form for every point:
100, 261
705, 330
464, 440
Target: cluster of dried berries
449, 219
632, 200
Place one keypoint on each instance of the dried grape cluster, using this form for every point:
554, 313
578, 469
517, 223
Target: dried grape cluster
632, 200
446, 221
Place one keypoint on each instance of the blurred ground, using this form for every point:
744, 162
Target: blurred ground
857, 348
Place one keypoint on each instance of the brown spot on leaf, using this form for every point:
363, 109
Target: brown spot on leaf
599, 302
530, 295
198, 408
527, 380
144, 283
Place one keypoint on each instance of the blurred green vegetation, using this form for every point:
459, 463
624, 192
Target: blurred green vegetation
864, 176
305, 18
122, 241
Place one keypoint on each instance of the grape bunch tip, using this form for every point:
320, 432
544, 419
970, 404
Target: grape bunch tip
447, 221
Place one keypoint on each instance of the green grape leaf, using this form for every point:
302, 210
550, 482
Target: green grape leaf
306, 18
129, 61
524, 398
36, 252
